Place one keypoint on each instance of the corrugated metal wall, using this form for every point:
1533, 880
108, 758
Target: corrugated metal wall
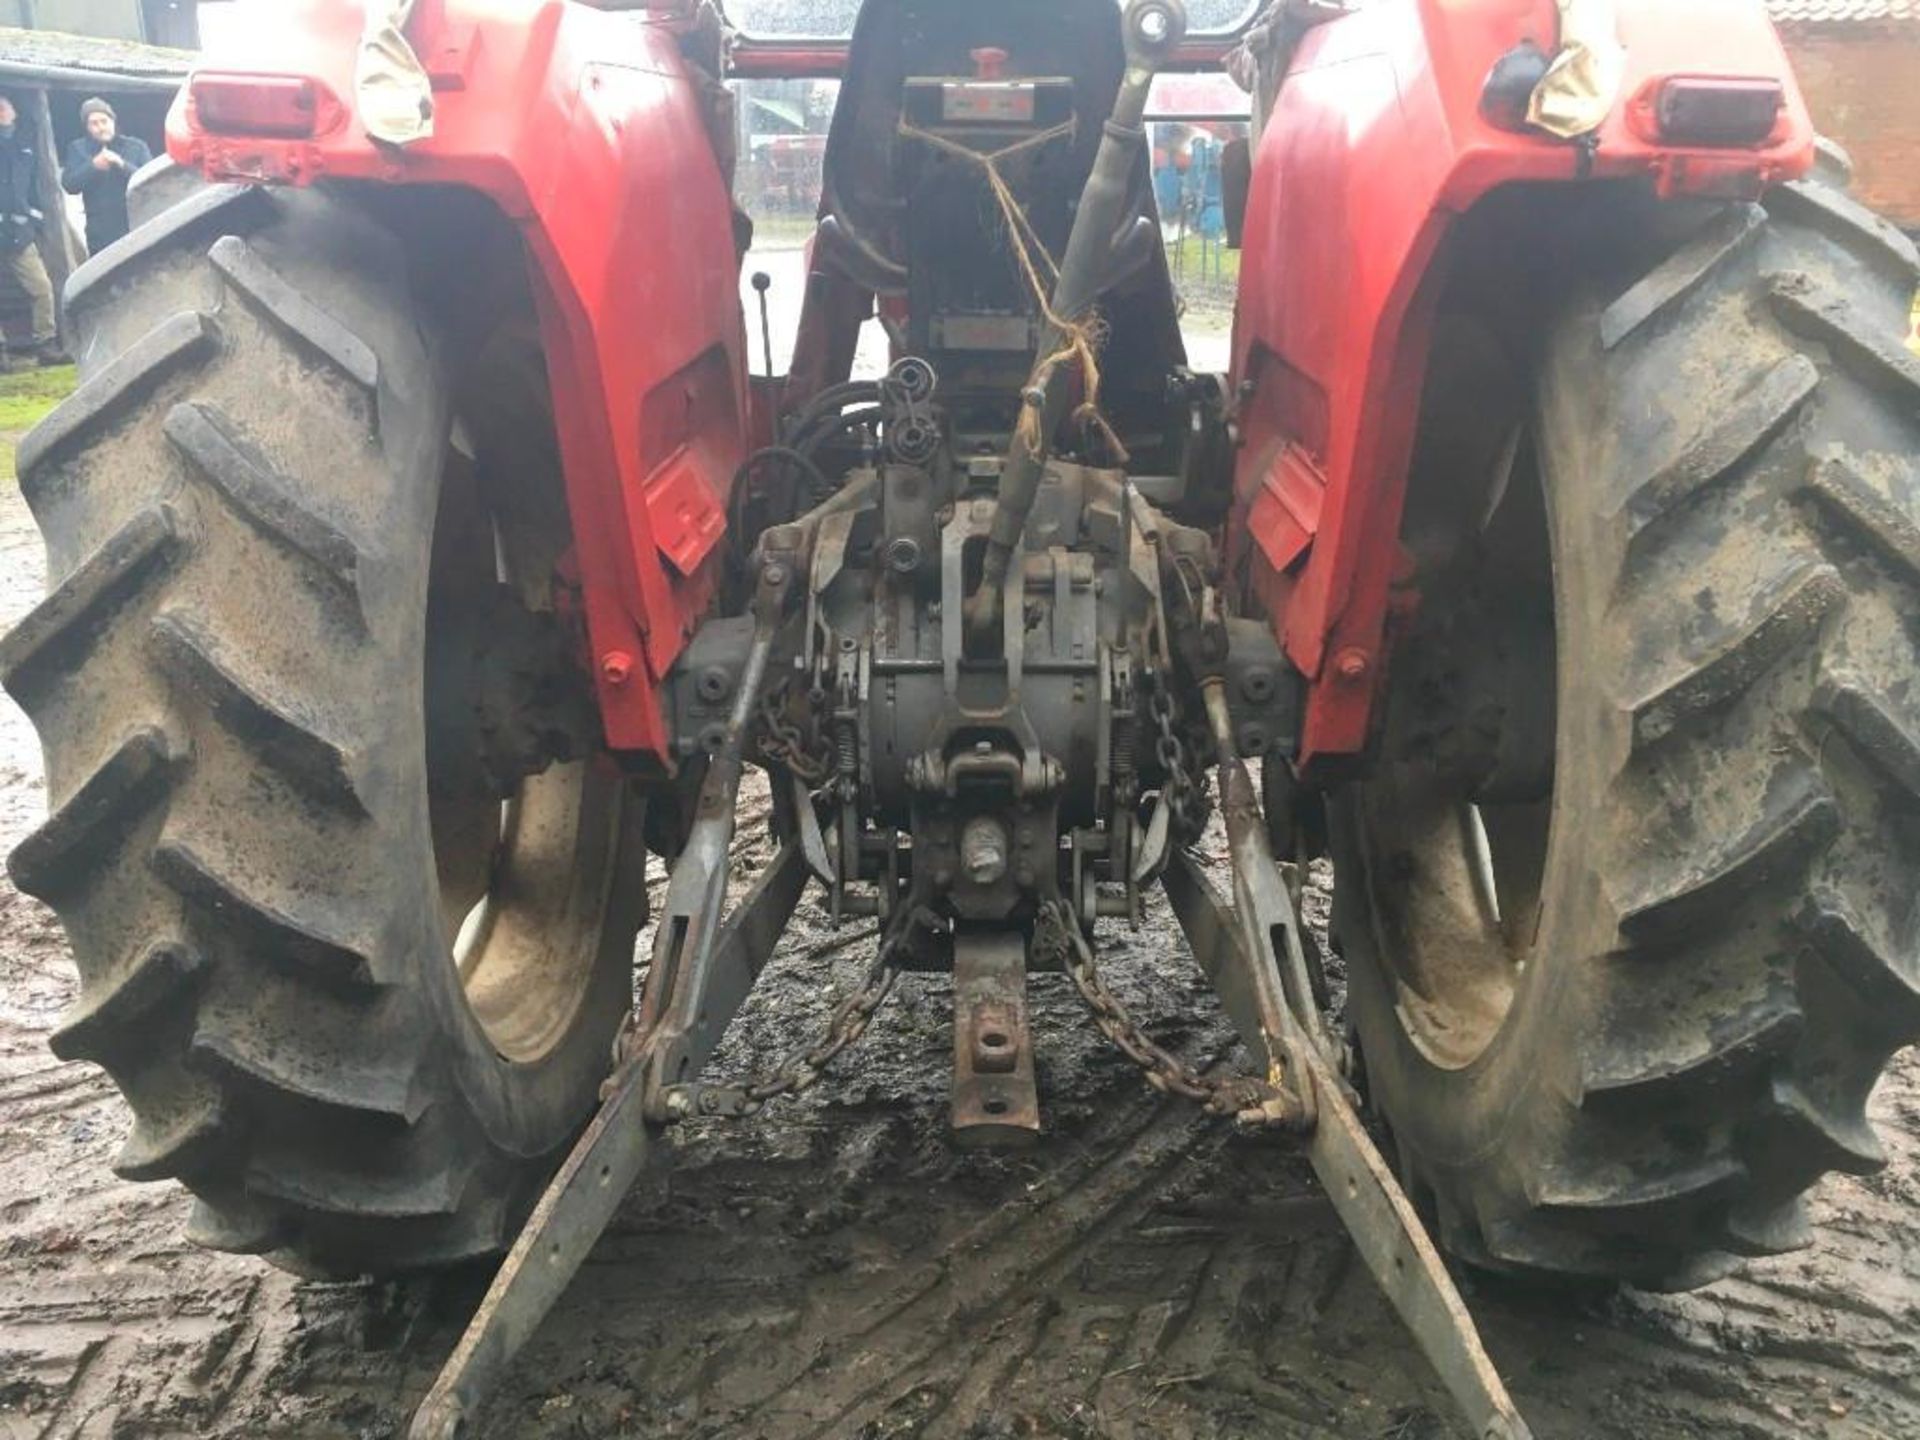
113, 19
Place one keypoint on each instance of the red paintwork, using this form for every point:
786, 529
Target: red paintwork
1375, 147
585, 129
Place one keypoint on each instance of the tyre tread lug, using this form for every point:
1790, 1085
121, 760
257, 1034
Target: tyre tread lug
302, 320
109, 1027
186, 338
1725, 237
66, 852
295, 749
335, 962
236, 468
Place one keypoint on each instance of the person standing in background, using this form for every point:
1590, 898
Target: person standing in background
99, 165
20, 218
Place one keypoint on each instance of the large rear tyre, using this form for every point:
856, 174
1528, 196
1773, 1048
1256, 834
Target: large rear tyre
1629, 951
352, 947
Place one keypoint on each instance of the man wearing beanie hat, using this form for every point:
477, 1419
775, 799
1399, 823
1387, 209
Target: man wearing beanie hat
20, 219
99, 165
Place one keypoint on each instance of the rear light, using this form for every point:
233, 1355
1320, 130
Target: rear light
271, 106
1700, 110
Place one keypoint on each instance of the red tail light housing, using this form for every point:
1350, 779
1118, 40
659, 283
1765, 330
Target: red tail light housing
278, 107
1715, 112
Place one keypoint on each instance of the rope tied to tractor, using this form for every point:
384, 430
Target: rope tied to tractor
1080, 339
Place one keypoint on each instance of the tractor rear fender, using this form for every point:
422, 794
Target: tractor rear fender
589, 132
1374, 152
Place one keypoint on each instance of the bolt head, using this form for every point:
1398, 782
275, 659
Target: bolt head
903, 555
616, 667
1352, 665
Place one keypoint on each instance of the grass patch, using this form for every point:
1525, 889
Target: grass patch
1199, 259
25, 399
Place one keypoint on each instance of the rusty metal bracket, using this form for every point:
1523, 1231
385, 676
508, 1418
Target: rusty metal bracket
994, 1100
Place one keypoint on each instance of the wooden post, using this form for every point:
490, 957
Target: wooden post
60, 244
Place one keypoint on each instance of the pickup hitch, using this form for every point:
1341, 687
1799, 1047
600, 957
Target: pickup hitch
1251, 951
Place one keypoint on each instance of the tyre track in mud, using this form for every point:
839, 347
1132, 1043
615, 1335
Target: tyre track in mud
973, 1286
835, 1268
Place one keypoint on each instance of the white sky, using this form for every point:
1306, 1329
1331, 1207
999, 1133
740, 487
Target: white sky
220, 19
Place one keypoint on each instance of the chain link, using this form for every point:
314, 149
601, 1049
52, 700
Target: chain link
1249, 1099
784, 743
802, 1068
1184, 796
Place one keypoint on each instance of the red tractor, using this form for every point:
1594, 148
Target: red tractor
424, 554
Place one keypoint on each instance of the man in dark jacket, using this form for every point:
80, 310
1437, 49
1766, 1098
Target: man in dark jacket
20, 219
99, 165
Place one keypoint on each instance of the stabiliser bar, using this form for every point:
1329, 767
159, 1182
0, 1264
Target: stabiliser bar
1257, 956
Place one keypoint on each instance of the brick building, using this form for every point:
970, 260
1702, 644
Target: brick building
1859, 64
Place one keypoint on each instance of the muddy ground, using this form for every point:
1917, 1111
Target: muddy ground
834, 1268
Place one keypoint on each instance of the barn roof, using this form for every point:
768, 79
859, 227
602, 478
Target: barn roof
56, 57
1841, 12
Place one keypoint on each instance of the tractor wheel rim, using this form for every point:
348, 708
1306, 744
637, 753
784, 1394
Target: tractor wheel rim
522, 880
1455, 822
1454, 892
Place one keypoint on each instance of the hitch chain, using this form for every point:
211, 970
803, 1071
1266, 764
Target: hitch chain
802, 1068
782, 741
1184, 797
1249, 1099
